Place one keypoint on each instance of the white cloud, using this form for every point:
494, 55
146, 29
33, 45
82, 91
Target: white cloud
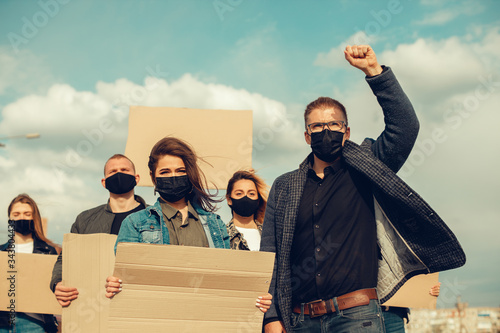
6, 164
22, 72
65, 165
59, 111
434, 2
434, 70
439, 18
335, 57
454, 10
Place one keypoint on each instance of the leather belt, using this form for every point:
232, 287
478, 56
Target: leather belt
347, 301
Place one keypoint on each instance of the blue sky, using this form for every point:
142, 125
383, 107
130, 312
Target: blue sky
65, 64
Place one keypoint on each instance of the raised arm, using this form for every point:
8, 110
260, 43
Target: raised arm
401, 124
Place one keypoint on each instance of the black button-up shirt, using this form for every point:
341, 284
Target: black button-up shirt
334, 249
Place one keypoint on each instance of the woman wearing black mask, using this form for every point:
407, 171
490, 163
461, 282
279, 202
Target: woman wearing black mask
25, 223
184, 212
247, 197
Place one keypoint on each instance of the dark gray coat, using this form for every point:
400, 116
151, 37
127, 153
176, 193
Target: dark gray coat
93, 221
412, 237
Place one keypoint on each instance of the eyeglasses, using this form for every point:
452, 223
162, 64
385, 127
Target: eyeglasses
337, 126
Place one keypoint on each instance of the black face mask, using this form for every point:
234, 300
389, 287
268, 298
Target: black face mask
24, 227
120, 183
244, 206
327, 145
173, 189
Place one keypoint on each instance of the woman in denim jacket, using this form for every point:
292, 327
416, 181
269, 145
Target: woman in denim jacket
183, 215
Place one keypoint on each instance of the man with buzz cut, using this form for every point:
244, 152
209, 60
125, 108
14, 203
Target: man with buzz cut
119, 179
348, 232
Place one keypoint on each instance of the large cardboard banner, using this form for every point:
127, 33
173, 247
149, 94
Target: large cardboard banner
87, 261
188, 289
223, 138
415, 293
26, 283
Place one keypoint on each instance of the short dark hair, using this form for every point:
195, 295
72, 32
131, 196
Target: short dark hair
118, 156
324, 103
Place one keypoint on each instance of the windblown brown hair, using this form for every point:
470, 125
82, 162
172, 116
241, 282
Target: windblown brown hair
262, 190
177, 147
37, 219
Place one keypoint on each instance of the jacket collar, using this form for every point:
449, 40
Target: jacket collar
39, 246
136, 197
232, 227
170, 211
3, 247
156, 209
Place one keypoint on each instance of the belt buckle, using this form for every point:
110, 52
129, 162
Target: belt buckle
313, 309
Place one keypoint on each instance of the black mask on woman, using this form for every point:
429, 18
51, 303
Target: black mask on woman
120, 183
244, 206
173, 189
327, 145
24, 227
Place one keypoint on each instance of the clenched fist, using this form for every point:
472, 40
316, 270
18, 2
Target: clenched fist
363, 57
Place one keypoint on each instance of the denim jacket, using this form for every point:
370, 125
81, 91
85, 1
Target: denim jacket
148, 226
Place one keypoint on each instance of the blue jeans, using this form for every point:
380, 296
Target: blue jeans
24, 324
394, 320
364, 318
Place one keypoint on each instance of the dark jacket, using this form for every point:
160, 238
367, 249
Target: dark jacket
41, 247
93, 221
412, 237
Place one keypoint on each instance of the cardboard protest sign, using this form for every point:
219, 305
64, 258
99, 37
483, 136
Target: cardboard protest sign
26, 283
415, 293
188, 289
87, 261
223, 138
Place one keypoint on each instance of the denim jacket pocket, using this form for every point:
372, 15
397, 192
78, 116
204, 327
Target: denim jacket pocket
150, 233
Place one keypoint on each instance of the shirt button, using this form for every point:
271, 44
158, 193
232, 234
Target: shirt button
316, 205
318, 275
316, 226
318, 249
